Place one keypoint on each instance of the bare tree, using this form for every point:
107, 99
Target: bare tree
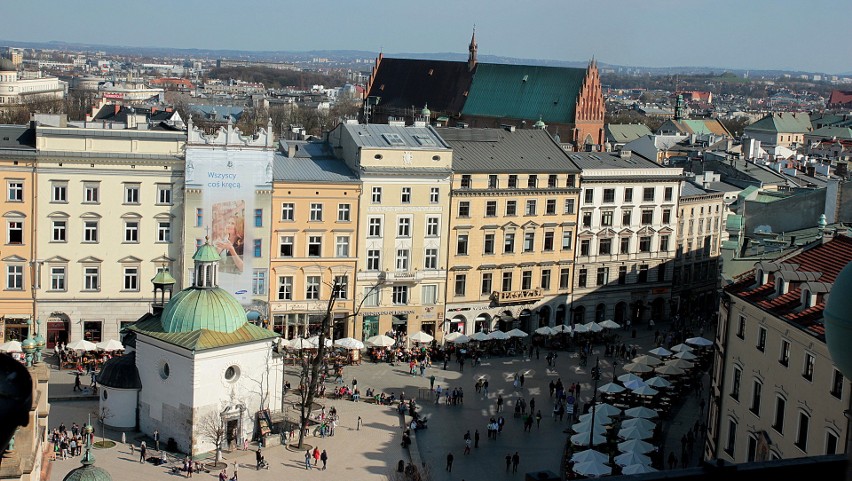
310, 374
102, 415
212, 427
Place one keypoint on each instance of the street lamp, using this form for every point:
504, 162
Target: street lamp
596, 376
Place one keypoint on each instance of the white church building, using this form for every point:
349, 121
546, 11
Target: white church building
197, 362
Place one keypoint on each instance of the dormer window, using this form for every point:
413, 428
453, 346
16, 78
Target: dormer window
759, 277
781, 286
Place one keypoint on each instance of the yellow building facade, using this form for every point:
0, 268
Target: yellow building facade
315, 206
512, 228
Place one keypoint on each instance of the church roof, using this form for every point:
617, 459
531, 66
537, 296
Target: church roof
198, 308
163, 277
120, 372
525, 92
402, 83
201, 339
206, 253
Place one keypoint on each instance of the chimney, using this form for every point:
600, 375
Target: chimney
840, 169
811, 170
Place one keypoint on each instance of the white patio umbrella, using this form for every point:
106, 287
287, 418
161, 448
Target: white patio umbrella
593, 326
635, 433
561, 328
632, 457
681, 348
600, 418
660, 352
479, 336
605, 408
300, 343
544, 330
420, 337
589, 455
380, 341
82, 345
634, 384
640, 423
110, 345
686, 356
637, 469
611, 388
681, 363
648, 360
461, 340
641, 412
349, 343
628, 377
450, 337
657, 381
645, 391
587, 426
580, 328
610, 324
283, 342
592, 469
497, 335
667, 370
699, 341
582, 439
637, 367
517, 333
314, 341
11, 346
636, 445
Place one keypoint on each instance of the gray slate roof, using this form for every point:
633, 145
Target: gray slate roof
412, 138
306, 169
17, 137
609, 160
688, 189
499, 150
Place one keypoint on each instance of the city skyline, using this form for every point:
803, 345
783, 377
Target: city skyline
754, 35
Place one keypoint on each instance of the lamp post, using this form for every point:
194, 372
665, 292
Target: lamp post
596, 376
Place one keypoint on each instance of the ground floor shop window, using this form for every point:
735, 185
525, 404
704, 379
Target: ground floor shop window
92, 331
370, 327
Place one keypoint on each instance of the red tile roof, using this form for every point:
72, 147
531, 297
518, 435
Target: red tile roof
826, 259
840, 98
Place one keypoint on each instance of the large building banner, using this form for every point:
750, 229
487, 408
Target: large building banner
229, 180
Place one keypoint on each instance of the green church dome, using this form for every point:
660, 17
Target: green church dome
88, 471
206, 253
194, 308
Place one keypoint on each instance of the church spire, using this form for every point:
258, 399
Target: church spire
471, 49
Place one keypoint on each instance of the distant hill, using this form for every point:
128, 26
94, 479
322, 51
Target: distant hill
345, 55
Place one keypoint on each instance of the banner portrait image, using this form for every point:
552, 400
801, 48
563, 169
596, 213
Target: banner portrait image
229, 227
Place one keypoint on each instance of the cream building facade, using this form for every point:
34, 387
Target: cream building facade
695, 278
513, 222
626, 238
776, 393
17, 174
16, 91
405, 213
315, 206
108, 211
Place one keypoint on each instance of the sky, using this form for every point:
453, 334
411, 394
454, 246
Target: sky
737, 34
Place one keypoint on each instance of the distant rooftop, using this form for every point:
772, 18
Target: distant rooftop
383, 136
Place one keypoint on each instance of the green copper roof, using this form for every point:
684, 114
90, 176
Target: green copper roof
88, 471
206, 253
783, 122
524, 92
163, 277
196, 308
201, 339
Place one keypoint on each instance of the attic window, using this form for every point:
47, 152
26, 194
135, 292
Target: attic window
424, 140
781, 286
526, 77
393, 139
807, 299
378, 156
382, 87
431, 71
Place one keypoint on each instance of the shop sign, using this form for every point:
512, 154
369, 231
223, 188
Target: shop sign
514, 297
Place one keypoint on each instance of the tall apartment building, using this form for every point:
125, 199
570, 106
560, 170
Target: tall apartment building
402, 237
776, 393
315, 206
17, 178
228, 200
625, 240
695, 278
107, 212
512, 226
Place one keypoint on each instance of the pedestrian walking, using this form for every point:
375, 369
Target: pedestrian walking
672, 460
450, 462
476, 438
516, 459
432, 382
508, 461
499, 403
142, 451
485, 388
316, 455
324, 459
521, 379
532, 405
467, 446
538, 419
308, 459
358, 426
157, 440
77, 385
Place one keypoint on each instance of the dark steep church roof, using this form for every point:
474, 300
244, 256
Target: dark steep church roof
404, 83
120, 373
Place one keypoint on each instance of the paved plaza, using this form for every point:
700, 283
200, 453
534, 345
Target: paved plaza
374, 451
